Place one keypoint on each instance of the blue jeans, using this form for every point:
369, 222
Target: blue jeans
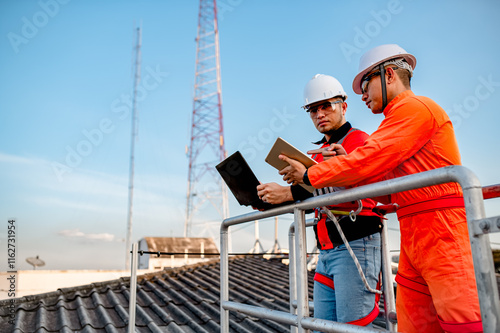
349, 300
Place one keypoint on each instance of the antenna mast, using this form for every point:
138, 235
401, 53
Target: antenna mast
257, 246
206, 147
134, 131
276, 247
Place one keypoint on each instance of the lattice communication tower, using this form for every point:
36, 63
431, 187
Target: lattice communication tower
206, 147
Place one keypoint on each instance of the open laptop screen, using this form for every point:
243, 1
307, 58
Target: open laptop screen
241, 181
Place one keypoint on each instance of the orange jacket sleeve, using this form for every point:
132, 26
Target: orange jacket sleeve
408, 126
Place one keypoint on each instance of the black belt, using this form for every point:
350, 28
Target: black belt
362, 227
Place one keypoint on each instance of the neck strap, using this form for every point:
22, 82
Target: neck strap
384, 88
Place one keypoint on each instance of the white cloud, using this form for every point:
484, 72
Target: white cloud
13, 159
71, 233
79, 234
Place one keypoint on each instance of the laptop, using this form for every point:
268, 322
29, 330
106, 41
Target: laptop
242, 181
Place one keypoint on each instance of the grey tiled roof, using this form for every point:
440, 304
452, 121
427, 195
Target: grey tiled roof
184, 299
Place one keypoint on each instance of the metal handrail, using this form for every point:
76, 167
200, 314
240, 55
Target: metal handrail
474, 207
388, 288
492, 191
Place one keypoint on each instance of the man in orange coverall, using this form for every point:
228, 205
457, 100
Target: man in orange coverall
436, 283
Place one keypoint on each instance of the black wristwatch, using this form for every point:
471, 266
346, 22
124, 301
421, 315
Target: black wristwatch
305, 179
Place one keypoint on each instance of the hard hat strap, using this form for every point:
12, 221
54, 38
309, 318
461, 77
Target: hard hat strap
384, 89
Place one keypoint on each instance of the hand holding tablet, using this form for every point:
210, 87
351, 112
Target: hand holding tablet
281, 147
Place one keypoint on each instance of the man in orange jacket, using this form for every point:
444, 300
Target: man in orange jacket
436, 283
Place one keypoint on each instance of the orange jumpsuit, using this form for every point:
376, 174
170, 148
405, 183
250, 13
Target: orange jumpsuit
436, 283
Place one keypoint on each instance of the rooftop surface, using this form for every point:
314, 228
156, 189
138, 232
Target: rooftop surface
184, 299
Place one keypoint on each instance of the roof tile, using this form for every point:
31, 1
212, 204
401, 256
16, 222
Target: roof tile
182, 299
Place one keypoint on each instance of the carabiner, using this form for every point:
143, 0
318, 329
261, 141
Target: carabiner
352, 214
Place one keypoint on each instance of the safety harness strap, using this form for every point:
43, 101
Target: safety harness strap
322, 233
327, 281
447, 202
468, 327
373, 314
413, 285
324, 280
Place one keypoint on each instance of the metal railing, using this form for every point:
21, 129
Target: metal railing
388, 290
298, 316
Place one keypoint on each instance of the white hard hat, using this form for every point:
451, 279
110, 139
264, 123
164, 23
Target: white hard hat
376, 56
322, 87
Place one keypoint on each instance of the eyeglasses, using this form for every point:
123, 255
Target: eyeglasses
366, 80
323, 106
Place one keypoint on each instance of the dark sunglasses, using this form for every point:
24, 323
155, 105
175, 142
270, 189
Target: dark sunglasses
367, 79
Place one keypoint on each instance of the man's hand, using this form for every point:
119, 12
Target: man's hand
328, 152
294, 173
273, 193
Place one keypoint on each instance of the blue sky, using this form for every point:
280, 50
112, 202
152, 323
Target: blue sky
66, 80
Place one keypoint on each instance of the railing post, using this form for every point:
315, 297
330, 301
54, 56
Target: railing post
390, 304
301, 269
133, 290
224, 278
483, 263
291, 272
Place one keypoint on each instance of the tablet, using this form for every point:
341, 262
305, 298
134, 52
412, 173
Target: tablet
283, 147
